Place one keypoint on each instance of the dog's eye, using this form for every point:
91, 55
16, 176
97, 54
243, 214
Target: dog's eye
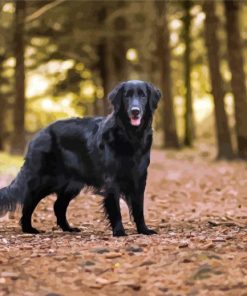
129, 93
141, 94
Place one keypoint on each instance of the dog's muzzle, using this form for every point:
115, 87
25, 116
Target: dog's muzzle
135, 117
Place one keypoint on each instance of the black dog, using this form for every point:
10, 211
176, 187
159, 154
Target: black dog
110, 154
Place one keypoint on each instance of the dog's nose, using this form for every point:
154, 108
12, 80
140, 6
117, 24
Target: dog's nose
135, 111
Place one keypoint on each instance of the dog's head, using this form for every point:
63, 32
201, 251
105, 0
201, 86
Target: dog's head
135, 98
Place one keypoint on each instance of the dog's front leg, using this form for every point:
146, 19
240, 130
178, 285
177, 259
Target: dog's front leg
112, 194
137, 208
112, 210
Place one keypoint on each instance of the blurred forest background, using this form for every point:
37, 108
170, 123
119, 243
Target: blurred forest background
60, 59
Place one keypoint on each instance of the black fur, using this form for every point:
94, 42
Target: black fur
106, 153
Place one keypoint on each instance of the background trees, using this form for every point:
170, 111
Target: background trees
74, 52
189, 114
18, 137
224, 143
164, 54
238, 82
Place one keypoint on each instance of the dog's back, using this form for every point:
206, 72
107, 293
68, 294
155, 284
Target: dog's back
61, 150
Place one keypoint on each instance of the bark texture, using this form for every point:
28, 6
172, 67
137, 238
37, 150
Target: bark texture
164, 53
236, 63
224, 143
18, 140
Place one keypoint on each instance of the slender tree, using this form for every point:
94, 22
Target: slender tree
120, 42
224, 144
164, 54
18, 140
2, 105
189, 114
106, 63
236, 62
114, 66
106, 69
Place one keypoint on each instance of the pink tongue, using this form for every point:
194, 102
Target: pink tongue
135, 122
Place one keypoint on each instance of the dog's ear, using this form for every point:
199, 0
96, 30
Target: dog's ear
154, 95
115, 96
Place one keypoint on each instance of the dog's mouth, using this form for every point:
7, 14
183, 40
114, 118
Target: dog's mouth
135, 120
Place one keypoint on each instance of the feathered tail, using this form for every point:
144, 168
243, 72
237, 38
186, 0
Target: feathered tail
12, 195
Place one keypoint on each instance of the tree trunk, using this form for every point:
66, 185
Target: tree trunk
164, 53
106, 63
120, 43
18, 141
189, 114
106, 68
235, 55
2, 106
212, 43
96, 111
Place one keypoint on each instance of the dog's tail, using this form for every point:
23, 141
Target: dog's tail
12, 195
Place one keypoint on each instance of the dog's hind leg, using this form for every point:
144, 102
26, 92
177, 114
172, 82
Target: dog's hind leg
60, 208
61, 205
112, 210
29, 206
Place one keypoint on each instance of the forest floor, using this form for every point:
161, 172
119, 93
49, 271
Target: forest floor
197, 205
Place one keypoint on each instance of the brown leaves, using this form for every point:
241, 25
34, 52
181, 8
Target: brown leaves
201, 246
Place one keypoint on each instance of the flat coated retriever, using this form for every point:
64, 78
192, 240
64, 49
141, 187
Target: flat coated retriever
109, 154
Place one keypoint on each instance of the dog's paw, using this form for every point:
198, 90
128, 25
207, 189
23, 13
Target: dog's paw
147, 231
119, 232
72, 229
31, 230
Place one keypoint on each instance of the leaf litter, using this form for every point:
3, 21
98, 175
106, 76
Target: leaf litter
199, 208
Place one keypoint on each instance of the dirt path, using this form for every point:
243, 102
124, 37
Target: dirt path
199, 208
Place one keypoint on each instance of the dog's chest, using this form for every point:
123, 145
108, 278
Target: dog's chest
127, 147
128, 166
126, 157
